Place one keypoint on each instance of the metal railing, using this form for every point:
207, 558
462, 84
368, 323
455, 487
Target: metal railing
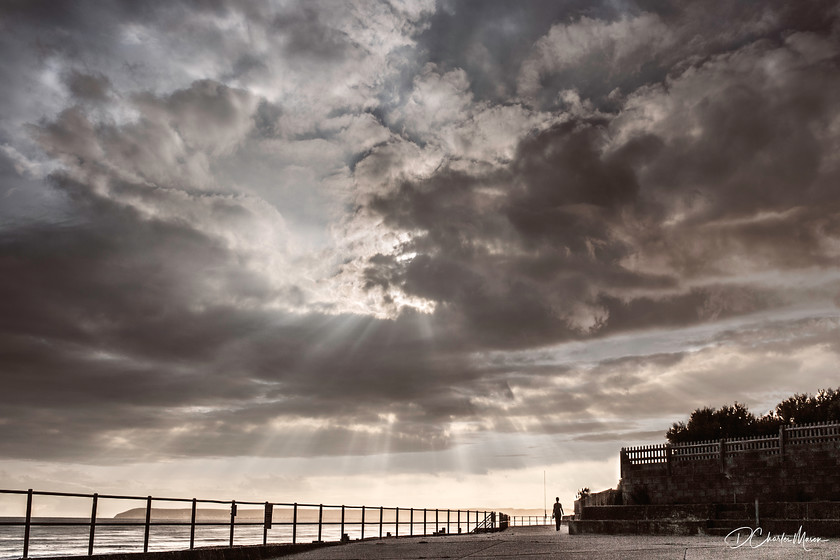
404, 521
529, 520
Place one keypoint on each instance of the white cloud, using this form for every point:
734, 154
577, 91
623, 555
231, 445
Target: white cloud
626, 42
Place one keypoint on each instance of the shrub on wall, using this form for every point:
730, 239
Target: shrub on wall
732, 421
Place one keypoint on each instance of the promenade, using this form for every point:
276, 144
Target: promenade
545, 542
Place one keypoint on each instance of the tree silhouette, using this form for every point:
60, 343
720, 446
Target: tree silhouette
732, 421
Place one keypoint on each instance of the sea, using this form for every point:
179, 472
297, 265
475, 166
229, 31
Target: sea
124, 536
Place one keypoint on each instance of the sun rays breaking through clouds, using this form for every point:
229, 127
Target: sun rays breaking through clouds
398, 251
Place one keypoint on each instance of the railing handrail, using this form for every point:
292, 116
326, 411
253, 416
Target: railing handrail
206, 500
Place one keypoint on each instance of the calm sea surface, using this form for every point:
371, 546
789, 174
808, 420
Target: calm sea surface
73, 540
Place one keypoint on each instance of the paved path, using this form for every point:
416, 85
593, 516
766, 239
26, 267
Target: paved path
544, 542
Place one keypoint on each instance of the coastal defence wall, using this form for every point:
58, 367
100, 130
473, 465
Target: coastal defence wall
252, 552
802, 464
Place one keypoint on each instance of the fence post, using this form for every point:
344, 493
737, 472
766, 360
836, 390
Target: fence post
459, 521
411, 523
363, 522
192, 525
782, 442
148, 524
436, 521
380, 522
294, 524
624, 462
668, 458
232, 519
342, 522
397, 524
424, 521
320, 520
721, 452
28, 524
92, 524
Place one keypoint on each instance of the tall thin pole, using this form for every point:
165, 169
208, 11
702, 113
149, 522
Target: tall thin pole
545, 503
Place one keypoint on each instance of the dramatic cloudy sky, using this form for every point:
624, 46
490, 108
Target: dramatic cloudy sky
412, 253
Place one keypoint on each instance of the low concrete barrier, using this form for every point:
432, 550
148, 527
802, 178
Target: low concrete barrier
252, 552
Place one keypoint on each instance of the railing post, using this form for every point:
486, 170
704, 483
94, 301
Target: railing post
424, 521
411, 523
232, 519
342, 522
380, 521
448, 529
397, 524
320, 520
92, 524
268, 516
294, 524
436, 521
192, 525
148, 524
363, 523
459, 521
28, 524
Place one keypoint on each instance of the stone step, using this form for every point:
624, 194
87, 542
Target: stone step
720, 531
640, 527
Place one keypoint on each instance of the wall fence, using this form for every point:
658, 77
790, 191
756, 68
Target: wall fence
796, 435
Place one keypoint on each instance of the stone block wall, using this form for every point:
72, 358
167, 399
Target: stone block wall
804, 473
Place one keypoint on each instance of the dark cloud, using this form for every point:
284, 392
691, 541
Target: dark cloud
92, 87
597, 47
109, 322
308, 37
733, 172
490, 39
569, 214
508, 196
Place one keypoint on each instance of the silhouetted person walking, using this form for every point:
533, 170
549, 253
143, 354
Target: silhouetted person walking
558, 513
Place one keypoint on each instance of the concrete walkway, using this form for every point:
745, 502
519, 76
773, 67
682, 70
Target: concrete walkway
545, 542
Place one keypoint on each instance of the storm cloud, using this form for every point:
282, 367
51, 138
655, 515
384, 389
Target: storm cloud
233, 229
